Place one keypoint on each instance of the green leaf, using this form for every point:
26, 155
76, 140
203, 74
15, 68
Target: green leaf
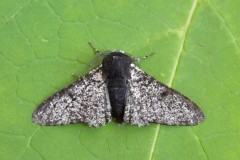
197, 52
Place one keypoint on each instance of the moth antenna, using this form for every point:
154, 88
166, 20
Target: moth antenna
138, 59
96, 50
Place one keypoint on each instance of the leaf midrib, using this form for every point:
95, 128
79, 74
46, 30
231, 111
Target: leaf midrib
175, 65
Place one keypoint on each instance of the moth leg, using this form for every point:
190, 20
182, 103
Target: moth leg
76, 76
138, 59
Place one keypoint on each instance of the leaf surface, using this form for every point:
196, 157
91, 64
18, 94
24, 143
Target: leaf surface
197, 52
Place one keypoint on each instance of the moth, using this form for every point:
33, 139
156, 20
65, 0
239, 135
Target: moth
119, 90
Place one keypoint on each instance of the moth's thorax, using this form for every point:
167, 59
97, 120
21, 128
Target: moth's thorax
116, 65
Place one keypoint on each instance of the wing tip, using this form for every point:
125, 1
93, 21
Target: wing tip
199, 118
36, 119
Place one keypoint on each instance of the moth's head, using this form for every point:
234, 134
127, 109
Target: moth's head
117, 57
116, 61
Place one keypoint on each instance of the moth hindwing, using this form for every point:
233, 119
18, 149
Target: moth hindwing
118, 89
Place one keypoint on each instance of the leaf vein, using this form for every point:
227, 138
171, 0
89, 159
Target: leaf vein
29, 141
198, 140
184, 32
14, 14
224, 21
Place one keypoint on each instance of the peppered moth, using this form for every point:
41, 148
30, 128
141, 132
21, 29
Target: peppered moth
118, 90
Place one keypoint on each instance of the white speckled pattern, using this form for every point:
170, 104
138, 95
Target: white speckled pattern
149, 100
83, 101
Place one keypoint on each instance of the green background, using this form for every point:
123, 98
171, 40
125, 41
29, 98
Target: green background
197, 52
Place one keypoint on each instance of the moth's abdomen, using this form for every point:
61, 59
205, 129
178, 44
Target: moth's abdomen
117, 92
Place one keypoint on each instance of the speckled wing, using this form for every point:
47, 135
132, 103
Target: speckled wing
86, 100
149, 100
